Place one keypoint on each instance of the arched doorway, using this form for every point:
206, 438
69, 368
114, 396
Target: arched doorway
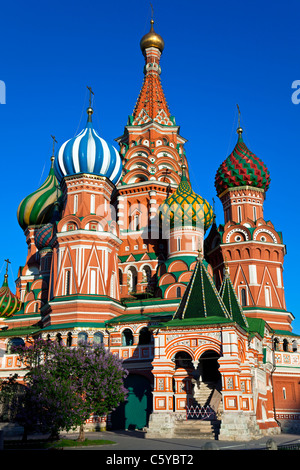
182, 381
209, 367
183, 360
135, 412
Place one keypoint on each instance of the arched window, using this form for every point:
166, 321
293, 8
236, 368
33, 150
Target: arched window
136, 225
132, 279
69, 339
183, 360
13, 343
276, 344
178, 292
127, 337
145, 336
82, 337
146, 274
58, 338
98, 338
285, 345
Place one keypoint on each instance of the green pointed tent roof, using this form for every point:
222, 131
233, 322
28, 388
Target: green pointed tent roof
201, 299
229, 297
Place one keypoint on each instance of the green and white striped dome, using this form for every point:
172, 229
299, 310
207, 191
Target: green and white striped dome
38, 207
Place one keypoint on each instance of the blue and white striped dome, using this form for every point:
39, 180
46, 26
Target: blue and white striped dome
88, 153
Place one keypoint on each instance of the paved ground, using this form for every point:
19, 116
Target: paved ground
134, 440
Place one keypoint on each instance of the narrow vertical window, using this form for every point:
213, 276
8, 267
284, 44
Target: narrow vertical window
112, 285
243, 297
239, 214
227, 213
254, 214
178, 244
279, 279
93, 281
268, 296
193, 244
136, 222
92, 203
252, 274
67, 282
284, 393
75, 203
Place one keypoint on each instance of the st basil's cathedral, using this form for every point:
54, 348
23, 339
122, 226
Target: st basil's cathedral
121, 251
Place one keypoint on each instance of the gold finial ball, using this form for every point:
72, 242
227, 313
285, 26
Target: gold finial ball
152, 39
239, 130
90, 110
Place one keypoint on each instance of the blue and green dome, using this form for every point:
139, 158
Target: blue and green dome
88, 153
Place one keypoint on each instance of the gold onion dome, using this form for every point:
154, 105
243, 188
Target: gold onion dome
186, 208
152, 39
9, 303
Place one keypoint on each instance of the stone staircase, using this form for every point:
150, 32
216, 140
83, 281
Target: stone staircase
196, 429
204, 394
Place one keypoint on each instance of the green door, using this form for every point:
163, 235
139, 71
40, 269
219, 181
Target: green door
135, 412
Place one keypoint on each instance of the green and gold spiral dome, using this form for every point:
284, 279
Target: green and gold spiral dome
38, 207
186, 208
9, 303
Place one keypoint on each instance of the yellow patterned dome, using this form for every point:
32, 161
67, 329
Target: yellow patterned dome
186, 208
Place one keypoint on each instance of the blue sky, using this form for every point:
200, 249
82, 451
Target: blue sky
217, 54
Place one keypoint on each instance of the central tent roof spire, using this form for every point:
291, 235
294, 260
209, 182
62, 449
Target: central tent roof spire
151, 104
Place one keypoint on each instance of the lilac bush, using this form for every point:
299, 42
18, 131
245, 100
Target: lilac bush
65, 386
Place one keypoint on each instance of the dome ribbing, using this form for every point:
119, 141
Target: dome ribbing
242, 168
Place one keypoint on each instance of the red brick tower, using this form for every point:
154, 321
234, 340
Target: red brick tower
153, 155
252, 247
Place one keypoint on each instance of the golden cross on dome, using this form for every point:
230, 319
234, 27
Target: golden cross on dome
152, 13
239, 115
7, 263
54, 142
239, 129
91, 93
